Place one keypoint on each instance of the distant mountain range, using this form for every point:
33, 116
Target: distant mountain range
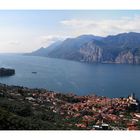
121, 48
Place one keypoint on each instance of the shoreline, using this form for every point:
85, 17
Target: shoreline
65, 93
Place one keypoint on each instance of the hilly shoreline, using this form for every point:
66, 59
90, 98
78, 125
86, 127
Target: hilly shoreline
22, 108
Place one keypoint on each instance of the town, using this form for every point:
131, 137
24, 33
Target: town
89, 112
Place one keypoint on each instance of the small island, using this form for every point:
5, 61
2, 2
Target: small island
6, 72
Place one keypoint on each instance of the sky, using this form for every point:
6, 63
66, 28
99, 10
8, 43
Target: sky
27, 30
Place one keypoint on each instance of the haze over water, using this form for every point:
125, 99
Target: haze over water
112, 80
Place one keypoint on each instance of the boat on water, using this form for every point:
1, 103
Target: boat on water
34, 72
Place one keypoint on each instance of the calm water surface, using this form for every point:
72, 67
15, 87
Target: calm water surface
113, 80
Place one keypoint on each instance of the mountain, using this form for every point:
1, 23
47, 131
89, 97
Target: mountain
59, 48
45, 51
121, 48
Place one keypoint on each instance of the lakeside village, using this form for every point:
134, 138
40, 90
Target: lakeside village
90, 112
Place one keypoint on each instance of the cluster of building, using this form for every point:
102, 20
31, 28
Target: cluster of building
103, 112
92, 112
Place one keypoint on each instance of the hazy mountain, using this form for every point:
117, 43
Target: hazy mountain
66, 49
45, 51
121, 48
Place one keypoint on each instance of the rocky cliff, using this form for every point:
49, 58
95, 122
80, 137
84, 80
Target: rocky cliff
91, 53
127, 57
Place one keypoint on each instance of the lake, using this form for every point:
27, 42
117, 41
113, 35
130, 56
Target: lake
112, 80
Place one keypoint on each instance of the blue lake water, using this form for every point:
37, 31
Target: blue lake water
112, 80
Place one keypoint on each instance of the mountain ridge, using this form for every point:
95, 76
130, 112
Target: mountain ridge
121, 48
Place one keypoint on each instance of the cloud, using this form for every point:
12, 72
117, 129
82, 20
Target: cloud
103, 26
48, 39
14, 43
